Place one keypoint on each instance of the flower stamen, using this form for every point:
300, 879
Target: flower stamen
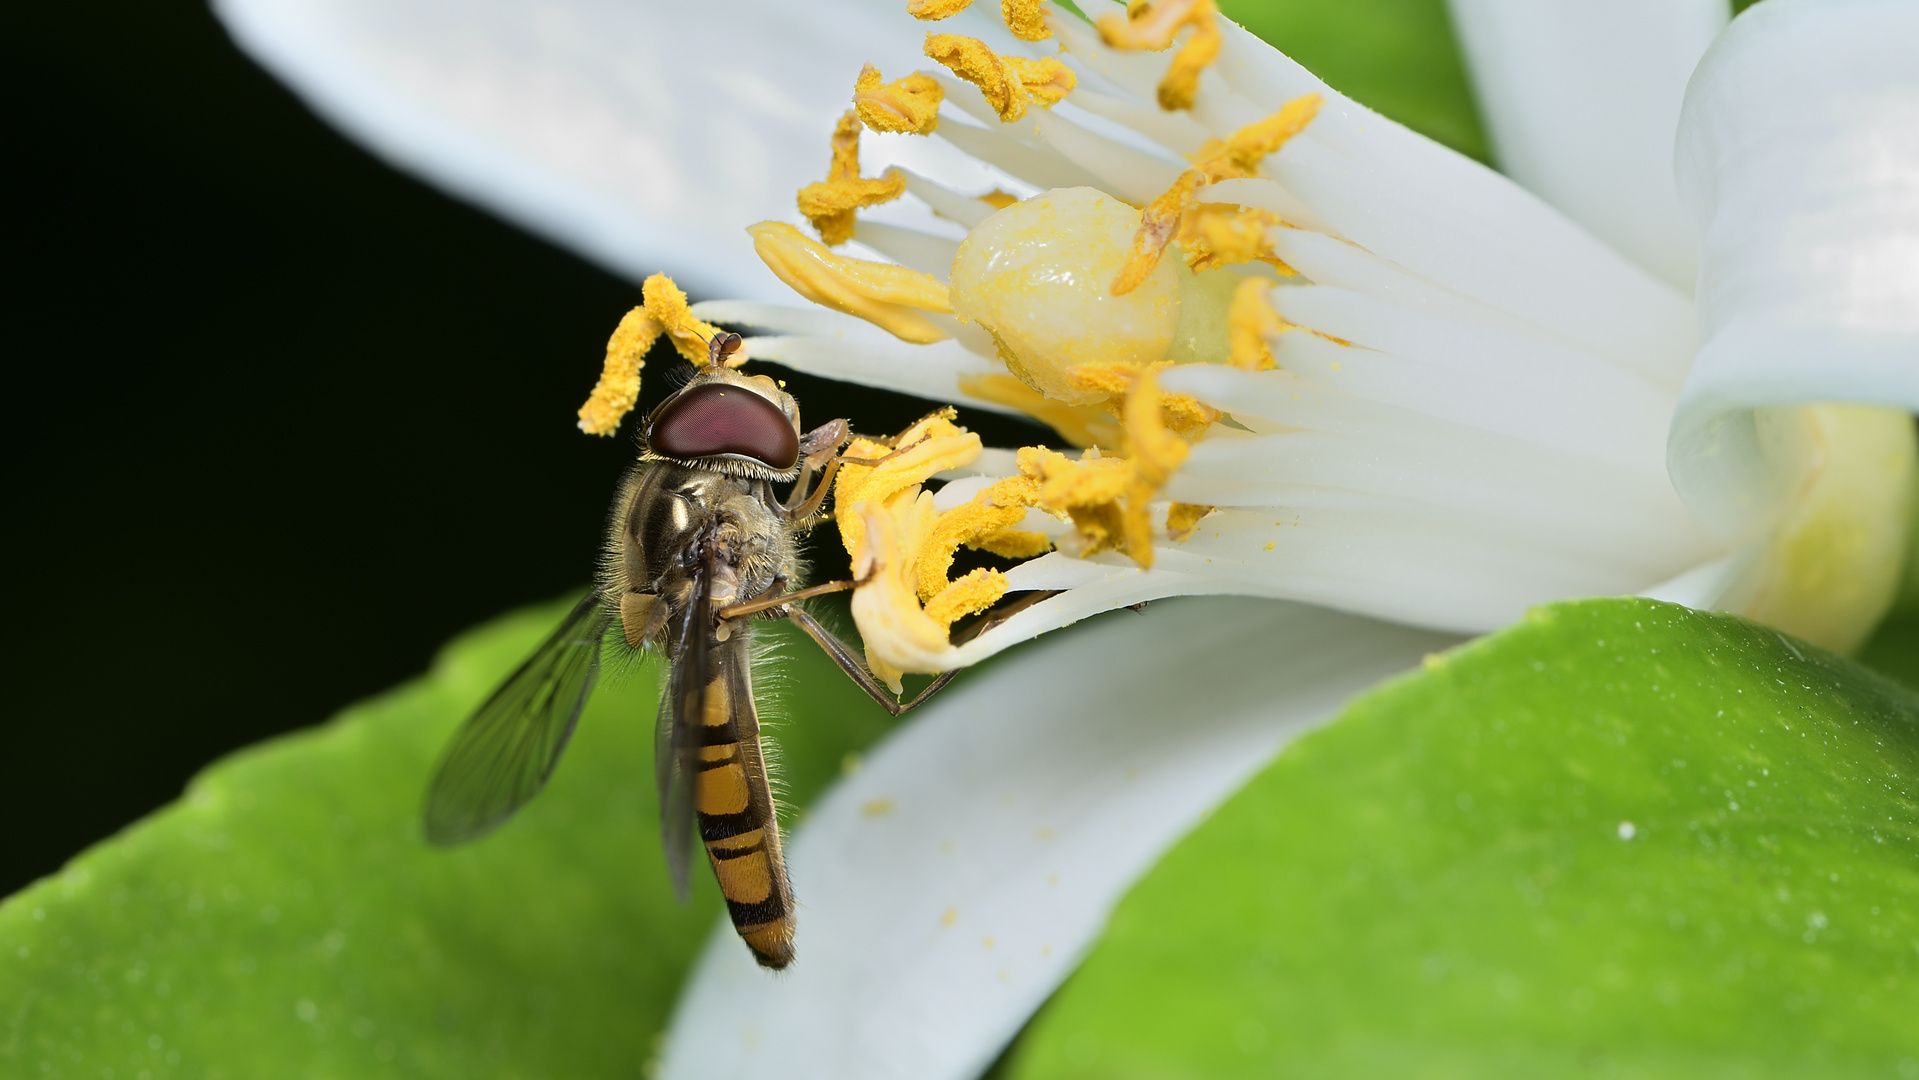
1251, 324
662, 310
888, 296
909, 105
1237, 158
1152, 27
1006, 82
830, 204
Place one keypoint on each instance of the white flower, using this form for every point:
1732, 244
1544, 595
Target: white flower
1489, 406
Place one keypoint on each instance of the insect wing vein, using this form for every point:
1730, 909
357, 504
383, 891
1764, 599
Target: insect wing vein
502, 756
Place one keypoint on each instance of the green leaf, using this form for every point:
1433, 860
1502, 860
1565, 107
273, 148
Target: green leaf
1396, 56
1619, 839
285, 918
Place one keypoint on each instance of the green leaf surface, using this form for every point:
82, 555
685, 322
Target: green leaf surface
1396, 56
1619, 839
284, 919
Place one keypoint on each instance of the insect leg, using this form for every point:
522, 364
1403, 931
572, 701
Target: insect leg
764, 601
842, 654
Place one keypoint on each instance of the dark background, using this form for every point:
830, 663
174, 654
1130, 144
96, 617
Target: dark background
282, 420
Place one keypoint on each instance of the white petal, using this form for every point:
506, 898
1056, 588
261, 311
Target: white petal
641, 135
1798, 158
1581, 100
950, 885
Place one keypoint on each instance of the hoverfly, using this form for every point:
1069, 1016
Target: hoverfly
698, 545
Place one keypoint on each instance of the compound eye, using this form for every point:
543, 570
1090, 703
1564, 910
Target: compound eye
709, 421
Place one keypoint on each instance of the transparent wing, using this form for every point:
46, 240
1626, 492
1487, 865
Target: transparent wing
676, 732
502, 756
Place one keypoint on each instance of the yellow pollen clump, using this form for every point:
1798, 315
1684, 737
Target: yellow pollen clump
1221, 234
911, 104
1007, 82
932, 445
1108, 498
1153, 26
1157, 225
890, 297
1183, 413
935, 10
995, 510
1035, 275
902, 549
1252, 324
662, 310
1236, 158
1181, 518
830, 204
999, 200
1023, 18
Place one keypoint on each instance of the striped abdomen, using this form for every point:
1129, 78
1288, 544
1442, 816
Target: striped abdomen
734, 808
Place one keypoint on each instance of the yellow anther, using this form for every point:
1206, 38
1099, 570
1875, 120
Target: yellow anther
973, 593
1239, 156
933, 445
999, 200
1023, 18
1007, 82
667, 304
1086, 491
1014, 543
935, 10
830, 204
1221, 234
662, 310
1182, 517
999, 507
1251, 324
619, 386
1153, 27
1157, 226
1154, 454
911, 104
1108, 498
890, 297
1180, 412
1236, 158
899, 636
1079, 425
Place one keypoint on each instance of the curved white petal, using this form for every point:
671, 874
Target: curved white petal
1581, 99
1798, 159
951, 884
644, 136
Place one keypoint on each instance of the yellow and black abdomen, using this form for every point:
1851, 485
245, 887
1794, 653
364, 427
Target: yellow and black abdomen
733, 806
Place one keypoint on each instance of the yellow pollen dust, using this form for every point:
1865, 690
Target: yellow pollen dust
1007, 82
1236, 158
888, 296
1251, 324
909, 105
1152, 27
830, 204
662, 310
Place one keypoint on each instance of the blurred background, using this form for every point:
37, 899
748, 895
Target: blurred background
287, 419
